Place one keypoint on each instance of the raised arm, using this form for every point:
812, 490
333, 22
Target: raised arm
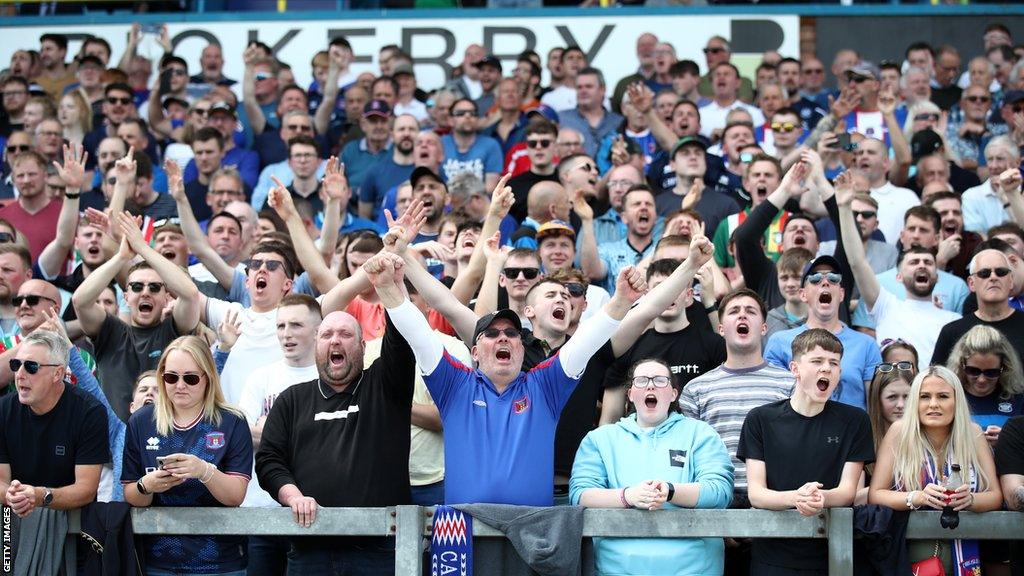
862, 272
124, 174
73, 174
467, 282
335, 189
642, 98
1010, 184
179, 283
322, 119
487, 299
590, 260
194, 237
91, 314
900, 168
593, 332
305, 250
257, 120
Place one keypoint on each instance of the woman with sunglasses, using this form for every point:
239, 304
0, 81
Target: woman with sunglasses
899, 354
917, 456
188, 449
990, 369
654, 458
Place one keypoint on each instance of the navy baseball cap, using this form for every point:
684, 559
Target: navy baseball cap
826, 260
376, 108
485, 322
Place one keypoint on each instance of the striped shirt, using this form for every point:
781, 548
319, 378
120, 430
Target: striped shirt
723, 397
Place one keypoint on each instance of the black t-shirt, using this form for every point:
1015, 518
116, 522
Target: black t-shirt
580, 412
797, 450
689, 353
196, 193
521, 185
1012, 327
123, 352
1010, 449
43, 450
715, 205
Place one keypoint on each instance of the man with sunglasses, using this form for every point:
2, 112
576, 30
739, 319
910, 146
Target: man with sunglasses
991, 280
822, 290
466, 150
717, 51
126, 349
118, 105
873, 117
556, 246
970, 131
915, 318
35, 299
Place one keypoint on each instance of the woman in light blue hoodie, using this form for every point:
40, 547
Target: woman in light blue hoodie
654, 458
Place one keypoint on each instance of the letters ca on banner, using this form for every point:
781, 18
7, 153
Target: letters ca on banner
437, 44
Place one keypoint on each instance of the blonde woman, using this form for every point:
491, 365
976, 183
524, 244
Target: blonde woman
188, 449
917, 455
75, 116
989, 367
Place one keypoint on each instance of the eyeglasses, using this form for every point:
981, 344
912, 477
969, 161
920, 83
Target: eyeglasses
977, 99
463, 113
985, 273
495, 332
714, 50
832, 277
260, 76
865, 214
528, 273
299, 127
190, 379
154, 287
6, 237
929, 117
14, 93
989, 373
543, 143
113, 101
32, 300
814, 71
644, 381
783, 127
254, 264
576, 289
15, 148
31, 366
622, 183
902, 365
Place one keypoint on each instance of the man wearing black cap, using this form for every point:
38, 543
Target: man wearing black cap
688, 162
360, 156
224, 119
927, 143
821, 288
516, 411
489, 70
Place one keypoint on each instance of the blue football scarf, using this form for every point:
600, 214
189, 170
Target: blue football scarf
451, 547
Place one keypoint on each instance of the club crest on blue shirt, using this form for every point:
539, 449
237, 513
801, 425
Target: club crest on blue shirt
215, 440
521, 405
1005, 407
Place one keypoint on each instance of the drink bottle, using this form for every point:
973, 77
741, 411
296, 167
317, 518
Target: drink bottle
951, 518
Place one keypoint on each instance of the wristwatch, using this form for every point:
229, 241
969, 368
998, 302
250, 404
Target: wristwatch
72, 195
141, 488
47, 497
671, 491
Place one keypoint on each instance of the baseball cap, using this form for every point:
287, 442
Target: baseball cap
545, 111
686, 141
829, 261
90, 59
422, 172
376, 108
222, 107
864, 69
485, 322
555, 228
488, 61
403, 68
924, 143
1013, 96
172, 99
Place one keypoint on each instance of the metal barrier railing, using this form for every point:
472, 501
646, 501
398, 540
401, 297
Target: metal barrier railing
409, 524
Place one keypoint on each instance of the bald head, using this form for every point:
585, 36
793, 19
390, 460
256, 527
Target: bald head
339, 350
541, 197
30, 316
340, 319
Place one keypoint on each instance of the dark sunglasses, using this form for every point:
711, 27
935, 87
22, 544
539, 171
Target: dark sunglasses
858, 79
985, 273
902, 365
154, 287
528, 273
644, 381
713, 50
990, 373
546, 143
865, 214
32, 299
462, 113
122, 101
190, 379
15, 148
924, 117
255, 264
495, 332
263, 76
977, 99
31, 366
832, 277
576, 289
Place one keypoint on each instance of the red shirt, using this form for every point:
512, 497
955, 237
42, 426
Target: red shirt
39, 229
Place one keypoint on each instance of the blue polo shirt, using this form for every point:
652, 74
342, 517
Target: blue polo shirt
618, 255
860, 356
499, 448
229, 447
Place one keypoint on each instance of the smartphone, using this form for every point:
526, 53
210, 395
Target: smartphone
843, 142
161, 461
153, 29
165, 81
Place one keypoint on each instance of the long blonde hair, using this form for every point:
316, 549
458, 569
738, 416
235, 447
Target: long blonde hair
213, 398
912, 445
987, 340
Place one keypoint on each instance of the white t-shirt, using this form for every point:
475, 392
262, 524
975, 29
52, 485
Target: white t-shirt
200, 273
893, 203
561, 98
258, 395
414, 107
257, 345
712, 116
916, 321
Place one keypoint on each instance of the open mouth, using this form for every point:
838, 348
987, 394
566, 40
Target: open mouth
762, 191
643, 218
823, 384
93, 251
650, 401
825, 298
950, 229
169, 254
503, 354
337, 358
799, 240
742, 329
469, 243
261, 283
921, 278
145, 307
558, 313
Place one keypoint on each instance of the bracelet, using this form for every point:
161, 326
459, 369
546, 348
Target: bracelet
712, 308
910, 500
622, 499
72, 196
209, 476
